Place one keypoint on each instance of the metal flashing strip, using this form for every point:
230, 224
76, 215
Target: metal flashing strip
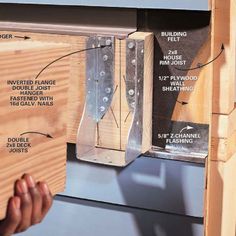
185, 141
150, 4
156, 152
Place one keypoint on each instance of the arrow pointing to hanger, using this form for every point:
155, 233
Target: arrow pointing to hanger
22, 37
67, 55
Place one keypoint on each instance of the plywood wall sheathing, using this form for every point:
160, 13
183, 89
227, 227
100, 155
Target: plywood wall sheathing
199, 105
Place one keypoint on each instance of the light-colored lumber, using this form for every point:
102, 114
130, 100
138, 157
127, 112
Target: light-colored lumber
224, 31
198, 109
223, 141
223, 148
45, 158
76, 96
220, 207
223, 126
221, 211
210, 4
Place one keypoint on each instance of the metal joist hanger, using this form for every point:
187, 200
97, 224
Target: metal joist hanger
99, 90
134, 94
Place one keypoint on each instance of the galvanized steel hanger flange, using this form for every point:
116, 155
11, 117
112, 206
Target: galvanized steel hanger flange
99, 76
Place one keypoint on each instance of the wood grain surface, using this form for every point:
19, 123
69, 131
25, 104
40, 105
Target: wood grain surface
43, 157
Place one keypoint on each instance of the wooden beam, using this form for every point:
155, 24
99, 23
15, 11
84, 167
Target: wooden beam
23, 149
223, 126
223, 148
77, 74
221, 208
224, 31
